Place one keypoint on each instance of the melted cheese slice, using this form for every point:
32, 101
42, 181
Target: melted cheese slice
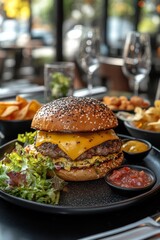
75, 144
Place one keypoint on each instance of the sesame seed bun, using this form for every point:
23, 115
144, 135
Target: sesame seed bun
74, 114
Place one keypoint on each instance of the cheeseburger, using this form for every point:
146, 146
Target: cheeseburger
77, 133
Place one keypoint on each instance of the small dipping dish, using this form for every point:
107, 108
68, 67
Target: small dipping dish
135, 149
130, 179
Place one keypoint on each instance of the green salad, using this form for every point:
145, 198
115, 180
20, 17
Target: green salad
24, 173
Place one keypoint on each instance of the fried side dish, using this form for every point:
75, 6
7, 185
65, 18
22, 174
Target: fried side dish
20, 109
148, 119
123, 103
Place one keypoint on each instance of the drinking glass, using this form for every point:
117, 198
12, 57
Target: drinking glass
58, 80
137, 57
88, 56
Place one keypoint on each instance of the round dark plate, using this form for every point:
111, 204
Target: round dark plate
92, 196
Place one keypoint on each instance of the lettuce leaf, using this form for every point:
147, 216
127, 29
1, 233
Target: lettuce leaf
24, 173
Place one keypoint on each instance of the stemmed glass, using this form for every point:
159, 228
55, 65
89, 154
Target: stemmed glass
88, 56
137, 57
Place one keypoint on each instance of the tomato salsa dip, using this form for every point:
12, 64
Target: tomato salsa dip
130, 178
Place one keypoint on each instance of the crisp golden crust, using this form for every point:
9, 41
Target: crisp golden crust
74, 114
90, 173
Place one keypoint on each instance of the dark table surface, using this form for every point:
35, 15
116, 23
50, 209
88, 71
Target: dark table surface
17, 223
21, 223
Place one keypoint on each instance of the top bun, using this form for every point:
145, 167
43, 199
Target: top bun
74, 114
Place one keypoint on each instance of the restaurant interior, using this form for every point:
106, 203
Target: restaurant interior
33, 34
38, 33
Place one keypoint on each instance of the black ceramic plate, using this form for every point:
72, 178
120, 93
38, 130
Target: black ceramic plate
92, 196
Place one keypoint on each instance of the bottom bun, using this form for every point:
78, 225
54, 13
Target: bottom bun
91, 173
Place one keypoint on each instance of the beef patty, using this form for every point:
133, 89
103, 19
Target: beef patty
108, 147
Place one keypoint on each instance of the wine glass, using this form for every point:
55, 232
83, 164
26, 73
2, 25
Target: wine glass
88, 56
137, 57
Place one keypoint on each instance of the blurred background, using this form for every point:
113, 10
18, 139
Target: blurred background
35, 32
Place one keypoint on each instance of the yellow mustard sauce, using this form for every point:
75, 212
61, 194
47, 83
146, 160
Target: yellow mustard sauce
134, 146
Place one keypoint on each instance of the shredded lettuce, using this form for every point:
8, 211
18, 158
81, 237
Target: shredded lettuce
27, 138
24, 173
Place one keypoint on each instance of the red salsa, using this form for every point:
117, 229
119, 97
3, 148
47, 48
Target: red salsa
130, 178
